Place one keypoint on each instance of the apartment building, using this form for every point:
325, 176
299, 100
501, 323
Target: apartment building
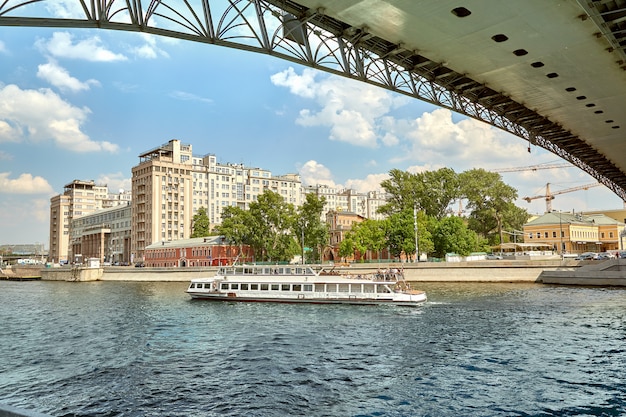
162, 196
78, 199
348, 200
170, 185
104, 235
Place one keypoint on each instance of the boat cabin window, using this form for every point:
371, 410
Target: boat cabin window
192, 285
307, 287
319, 288
344, 287
265, 287
224, 285
296, 287
285, 287
244, 286
275, 287
254, 286
331, 287
382, 289
234, 286
368, 288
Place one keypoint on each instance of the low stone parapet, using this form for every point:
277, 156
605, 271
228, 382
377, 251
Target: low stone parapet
73, 273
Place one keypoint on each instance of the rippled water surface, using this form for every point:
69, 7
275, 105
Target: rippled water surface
146, 349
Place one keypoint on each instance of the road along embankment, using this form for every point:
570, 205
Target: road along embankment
477, 271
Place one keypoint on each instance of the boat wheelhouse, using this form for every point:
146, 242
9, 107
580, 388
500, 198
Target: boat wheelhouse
301, 284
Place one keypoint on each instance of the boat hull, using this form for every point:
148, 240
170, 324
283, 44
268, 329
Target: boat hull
414, 300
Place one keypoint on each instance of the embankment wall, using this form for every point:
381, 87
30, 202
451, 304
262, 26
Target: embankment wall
487, 271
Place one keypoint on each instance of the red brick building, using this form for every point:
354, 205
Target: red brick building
207, 251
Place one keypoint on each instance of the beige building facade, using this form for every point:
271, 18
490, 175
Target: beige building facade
79, 198
104, 235
569, 233
170, 185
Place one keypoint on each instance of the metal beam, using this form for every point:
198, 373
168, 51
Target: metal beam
314, 39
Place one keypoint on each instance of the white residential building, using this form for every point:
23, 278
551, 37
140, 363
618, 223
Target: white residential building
348, 200
170, 185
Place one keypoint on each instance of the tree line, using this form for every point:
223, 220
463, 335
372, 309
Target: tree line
420, 213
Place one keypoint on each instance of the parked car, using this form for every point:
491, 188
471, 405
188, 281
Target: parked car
606, 255
587, 256
140, 265
493, 256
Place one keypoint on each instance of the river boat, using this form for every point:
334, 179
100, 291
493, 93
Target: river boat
302, 284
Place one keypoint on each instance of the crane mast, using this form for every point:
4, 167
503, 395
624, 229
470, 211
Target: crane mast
549, 196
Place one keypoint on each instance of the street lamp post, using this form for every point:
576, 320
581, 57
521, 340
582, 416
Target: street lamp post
304, 224
417, 245
515, 234
302, 260
561, 233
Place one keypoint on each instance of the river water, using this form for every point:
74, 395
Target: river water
146, 349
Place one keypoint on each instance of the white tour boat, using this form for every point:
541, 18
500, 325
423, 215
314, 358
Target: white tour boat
301, 284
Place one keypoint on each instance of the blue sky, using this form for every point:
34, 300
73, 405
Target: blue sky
82, 104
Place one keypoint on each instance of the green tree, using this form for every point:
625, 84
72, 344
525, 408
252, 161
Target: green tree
400, 233
431, 192
273, 221
440, 189
373, 234
200, 224
236, 227
488, 197
346, 247
452, 235
309, 225
401, 189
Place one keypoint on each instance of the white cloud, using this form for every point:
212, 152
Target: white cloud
299, 85
435, 139
314, 173
369, 183
62, 45
150, 49
24, 184
353, 111
182, 95
59, 77
41, 115
24, 219
115, 182
2, 47
65, 9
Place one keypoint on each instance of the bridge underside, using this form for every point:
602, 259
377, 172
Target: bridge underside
552, 73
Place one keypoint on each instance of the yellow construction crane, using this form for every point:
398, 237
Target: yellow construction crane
549, 196
533, 168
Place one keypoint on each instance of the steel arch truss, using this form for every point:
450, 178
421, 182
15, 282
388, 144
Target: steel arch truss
290, 31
